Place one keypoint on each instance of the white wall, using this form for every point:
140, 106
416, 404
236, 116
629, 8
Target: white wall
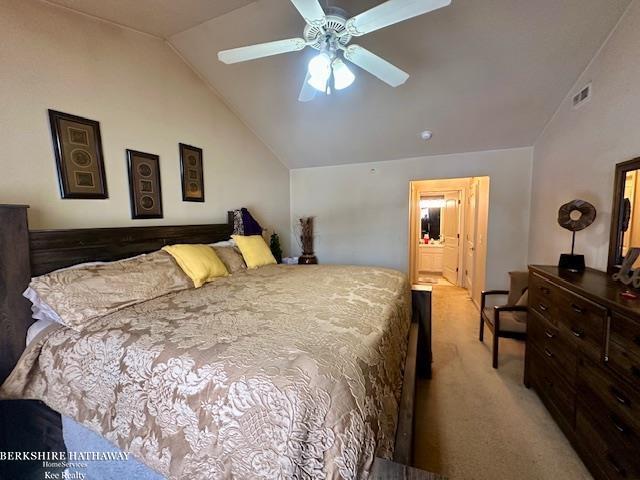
146, 98
362, 217
575, 157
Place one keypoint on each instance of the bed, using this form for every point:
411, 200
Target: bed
272, 373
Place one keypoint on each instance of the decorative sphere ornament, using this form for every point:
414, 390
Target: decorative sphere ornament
575, 216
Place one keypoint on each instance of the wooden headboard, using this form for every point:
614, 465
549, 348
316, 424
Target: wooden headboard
25, 253
54, 249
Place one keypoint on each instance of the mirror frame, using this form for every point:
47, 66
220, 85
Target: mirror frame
618, 191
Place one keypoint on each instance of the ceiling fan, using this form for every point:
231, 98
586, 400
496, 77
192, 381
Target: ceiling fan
331, 32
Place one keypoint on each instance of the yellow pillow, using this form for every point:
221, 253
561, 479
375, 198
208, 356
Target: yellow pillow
199, 262
254, 250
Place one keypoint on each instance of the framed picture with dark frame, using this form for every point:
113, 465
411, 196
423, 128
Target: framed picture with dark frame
144, 185
192, 173
77, 146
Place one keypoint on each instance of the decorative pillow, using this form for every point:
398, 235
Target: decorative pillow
251, 226
199, 262
78, 295
519, 281
523, 301
232, 258
238, 225
254, 250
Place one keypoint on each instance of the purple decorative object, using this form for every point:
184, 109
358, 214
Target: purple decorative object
251, 226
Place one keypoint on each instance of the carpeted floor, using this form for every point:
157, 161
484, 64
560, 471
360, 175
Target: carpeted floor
474, 422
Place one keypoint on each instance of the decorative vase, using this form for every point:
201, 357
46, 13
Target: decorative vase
306, 259
306, 241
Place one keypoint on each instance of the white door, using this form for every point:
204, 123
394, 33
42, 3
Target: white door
451, 239
470, 236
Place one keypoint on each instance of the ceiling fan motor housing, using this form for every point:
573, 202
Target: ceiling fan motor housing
336, 21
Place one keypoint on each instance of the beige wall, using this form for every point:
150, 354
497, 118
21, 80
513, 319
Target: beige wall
362, 215
576, 155
145, 98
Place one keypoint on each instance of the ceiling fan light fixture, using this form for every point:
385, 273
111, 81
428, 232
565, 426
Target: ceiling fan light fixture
320, 66
319, 83
319, 72
342, 75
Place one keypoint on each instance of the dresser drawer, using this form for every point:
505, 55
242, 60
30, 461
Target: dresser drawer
624, 363
552, 387
626, 332
614, 460
620, 399
548, 340
583, 321
542, 296
613, 428
624, 348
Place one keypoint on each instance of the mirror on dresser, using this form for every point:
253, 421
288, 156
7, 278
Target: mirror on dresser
625, 215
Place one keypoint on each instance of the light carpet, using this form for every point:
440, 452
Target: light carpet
476, 423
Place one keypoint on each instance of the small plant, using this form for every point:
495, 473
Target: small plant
274, 245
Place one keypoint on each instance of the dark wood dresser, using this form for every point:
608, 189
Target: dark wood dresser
583, 360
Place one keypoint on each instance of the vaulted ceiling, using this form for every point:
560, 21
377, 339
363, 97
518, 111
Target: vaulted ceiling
485, 74
161, 18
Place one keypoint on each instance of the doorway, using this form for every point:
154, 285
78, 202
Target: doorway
448, 222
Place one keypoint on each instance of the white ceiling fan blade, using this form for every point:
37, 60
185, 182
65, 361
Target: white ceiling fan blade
261, 50
307, 92
390, 12
311, 11
375, 65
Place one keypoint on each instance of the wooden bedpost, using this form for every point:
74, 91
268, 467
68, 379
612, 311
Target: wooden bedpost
15, 273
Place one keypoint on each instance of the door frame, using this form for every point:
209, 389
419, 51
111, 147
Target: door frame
414, 221
474, 192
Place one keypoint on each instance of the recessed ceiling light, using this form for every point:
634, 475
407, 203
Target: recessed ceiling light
426, 135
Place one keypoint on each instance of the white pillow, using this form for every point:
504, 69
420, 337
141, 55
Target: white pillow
36, 328
41, 310
226, 243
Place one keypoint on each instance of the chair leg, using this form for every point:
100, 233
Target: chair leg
496, 337
483, 301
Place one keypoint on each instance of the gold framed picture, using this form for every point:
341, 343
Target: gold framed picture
192, 173
144, 185
77, 146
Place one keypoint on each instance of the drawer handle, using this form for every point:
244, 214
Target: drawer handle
636, 340
543, 307
616, 467
619, 426
619, 397
577, 309
548, 353
576, 333
549, 334
635, 371
545, 290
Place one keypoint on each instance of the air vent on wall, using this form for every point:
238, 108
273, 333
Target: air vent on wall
582, 97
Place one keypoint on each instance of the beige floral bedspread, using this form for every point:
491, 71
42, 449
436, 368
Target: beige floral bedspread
280, 372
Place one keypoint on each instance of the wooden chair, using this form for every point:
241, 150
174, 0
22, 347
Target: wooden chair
509, 320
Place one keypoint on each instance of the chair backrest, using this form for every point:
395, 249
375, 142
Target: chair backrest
519, 285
